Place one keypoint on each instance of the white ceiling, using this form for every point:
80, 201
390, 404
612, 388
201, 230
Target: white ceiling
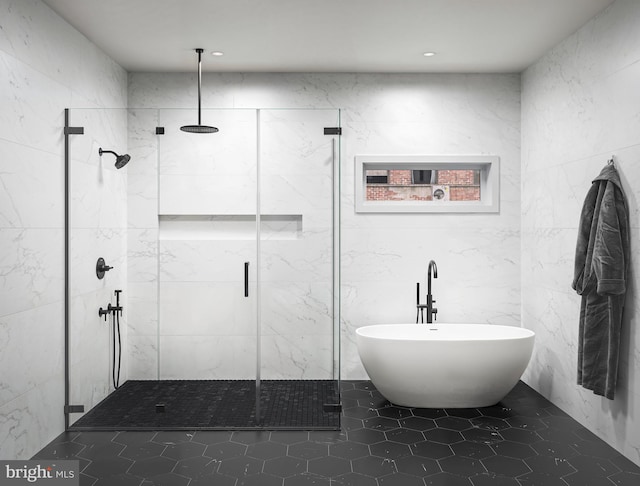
327, 35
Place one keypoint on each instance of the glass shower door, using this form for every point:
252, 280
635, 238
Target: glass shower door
247, 265
298, 340
207, 256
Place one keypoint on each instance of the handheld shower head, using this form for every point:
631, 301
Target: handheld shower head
121, 160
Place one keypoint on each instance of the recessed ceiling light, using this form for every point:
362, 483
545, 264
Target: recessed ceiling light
217, 53
429, 54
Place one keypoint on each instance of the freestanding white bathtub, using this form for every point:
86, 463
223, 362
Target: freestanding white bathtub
444, 365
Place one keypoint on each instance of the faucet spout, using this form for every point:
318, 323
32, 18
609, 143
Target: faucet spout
432, 268
431, 311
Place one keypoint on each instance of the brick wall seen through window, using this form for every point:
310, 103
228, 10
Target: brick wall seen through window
423, 185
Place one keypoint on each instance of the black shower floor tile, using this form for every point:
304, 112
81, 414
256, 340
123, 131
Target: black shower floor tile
214, 404
513, 443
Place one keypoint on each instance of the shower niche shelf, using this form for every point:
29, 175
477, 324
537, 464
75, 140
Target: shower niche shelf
229, 226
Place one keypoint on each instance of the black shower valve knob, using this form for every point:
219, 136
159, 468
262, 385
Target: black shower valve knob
111, 309
104, 312
101, 268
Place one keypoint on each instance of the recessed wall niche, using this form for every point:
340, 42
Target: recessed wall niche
230, 227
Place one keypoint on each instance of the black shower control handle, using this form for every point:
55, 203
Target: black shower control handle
110, 309
101, 268
104, 312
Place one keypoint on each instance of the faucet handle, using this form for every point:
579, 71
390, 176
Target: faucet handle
104, 312
435, 313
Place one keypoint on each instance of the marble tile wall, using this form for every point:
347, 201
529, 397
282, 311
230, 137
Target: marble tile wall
580, 106
383, 255
46, 66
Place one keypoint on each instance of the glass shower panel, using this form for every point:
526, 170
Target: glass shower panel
298, 166
142, 250
207, 239
97, 197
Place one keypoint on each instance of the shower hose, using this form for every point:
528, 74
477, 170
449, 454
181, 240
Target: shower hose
115, 369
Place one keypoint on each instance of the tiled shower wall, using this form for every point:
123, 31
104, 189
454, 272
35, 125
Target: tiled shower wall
580, 107
383, 255
46, 66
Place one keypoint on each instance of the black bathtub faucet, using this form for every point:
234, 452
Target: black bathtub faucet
431, 311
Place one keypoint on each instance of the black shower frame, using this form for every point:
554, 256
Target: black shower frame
68, 408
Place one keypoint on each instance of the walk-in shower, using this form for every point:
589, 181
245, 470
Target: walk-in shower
227, 249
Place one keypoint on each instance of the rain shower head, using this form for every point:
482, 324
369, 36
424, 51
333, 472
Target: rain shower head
199, 128
121, 160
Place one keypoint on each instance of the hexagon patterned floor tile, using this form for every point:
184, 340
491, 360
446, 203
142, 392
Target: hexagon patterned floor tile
522, 441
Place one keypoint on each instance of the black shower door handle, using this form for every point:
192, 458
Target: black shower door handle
246, 279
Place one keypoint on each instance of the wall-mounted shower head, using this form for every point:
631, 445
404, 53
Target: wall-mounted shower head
121, 160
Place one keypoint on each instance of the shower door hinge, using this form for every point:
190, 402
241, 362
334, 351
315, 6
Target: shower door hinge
73, 408
159, 130
333, 130
74, 130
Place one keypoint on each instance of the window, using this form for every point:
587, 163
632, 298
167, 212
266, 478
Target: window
377, 176
427, 183
424, 176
